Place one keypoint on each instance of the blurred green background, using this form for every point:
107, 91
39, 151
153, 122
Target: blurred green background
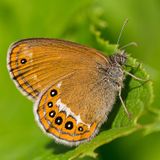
20, 138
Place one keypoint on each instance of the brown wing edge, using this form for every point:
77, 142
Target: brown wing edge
9, 52
11, 47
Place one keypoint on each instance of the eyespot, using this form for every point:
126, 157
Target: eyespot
80, 129
23, 61
53, 92
50, 104
52, 114
58, 120
69, 125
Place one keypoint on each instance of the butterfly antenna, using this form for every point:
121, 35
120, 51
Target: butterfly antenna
120, 34
129, 44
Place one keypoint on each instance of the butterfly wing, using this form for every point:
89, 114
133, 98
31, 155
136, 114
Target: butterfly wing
35, 64
67, 81
72, 110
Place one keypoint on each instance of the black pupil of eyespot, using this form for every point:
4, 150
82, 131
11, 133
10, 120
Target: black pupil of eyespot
58, 120
69, 125
52, 114
50, 104
80, 129
53, 92
23, 61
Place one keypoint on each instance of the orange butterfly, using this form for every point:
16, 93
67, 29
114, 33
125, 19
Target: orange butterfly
74, 87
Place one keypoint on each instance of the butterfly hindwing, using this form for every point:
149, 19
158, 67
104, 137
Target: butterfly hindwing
58, 121
72, 110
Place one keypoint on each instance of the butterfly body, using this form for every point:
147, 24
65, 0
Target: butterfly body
73, 86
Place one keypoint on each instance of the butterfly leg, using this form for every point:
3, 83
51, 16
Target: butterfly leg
134, 77
123, 104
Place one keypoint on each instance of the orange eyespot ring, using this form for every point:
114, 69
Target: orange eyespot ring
69, 125
53, 95
81, 128
59, 120
53, 92
23, 61
50, 104
51, 113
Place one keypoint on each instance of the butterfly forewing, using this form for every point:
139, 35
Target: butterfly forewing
35, 64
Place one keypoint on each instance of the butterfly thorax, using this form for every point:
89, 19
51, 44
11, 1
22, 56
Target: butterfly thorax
115, 72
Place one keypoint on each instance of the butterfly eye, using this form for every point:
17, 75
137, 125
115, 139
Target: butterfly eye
50, 104
69, 125
52, 114
23, 61
80, 129
53, 92
58, 120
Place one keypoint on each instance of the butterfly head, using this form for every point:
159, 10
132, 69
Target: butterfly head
119, 58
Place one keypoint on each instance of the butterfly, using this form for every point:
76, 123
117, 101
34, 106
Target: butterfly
73, 87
